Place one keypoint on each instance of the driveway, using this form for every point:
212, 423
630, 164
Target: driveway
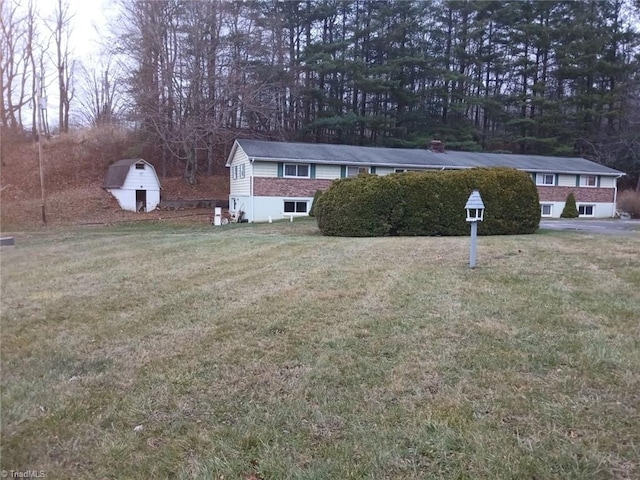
609, 226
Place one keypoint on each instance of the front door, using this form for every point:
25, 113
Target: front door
141, 200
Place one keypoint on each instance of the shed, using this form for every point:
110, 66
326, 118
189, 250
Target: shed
134, 183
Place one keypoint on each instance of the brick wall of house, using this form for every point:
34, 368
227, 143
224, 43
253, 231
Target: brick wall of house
559, 194
306, 187
288, 187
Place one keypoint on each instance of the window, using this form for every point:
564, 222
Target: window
294, 170
355, 171
586, 210
139, 166
291, 206
546, 210
234, 172
546, 179
588, 181
242, 171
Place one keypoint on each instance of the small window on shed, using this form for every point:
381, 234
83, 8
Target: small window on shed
139, 166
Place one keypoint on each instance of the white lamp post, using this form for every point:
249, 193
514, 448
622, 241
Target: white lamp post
475, 214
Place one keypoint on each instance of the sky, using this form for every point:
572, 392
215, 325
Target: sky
89, 23
89, 28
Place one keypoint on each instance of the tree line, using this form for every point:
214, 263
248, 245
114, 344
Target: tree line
532, 77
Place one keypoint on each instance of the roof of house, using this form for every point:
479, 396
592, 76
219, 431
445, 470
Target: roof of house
117, 172
412, 158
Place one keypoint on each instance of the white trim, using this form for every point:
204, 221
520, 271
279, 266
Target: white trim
297, 165
295, 201
361, 169
584, 184
593, 209
542, 177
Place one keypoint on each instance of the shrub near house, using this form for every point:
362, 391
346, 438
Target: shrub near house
429, 204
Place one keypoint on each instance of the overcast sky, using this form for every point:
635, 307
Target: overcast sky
89, 26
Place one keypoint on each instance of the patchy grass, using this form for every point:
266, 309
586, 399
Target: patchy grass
271, 352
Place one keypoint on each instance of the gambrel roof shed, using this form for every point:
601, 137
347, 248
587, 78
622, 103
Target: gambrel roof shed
134, 183
118, 171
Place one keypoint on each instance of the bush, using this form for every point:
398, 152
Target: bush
629, 202
316, 197
429, 203
570, 209
365, 206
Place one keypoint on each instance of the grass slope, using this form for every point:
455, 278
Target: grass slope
271, 352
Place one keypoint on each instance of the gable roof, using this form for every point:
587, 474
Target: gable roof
412, 158
117, 172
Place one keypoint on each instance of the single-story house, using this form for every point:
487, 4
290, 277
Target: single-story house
279, 179
134, 183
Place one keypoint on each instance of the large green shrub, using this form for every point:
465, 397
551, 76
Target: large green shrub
365, 206
316, 197
570, 209
429, 203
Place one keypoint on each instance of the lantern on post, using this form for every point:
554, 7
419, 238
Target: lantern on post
475, 214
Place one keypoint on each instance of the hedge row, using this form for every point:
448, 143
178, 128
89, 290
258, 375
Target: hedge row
428, 203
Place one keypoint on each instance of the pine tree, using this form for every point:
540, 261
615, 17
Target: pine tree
570, 209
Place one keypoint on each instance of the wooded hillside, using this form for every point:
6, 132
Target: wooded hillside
540, 77
550, 77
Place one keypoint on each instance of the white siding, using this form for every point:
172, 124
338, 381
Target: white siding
242, 184
566, 180
265, 169
384, 170
127, 199
327, 172
138, 179
556, 209
239, 202
141, 179
601, 209
607, 182
153, 199
273, 207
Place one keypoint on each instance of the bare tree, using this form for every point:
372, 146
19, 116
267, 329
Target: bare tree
16, 42
61, 31
102, 99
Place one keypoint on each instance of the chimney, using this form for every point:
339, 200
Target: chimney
437, 146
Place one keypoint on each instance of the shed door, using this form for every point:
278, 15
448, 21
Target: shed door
141, 200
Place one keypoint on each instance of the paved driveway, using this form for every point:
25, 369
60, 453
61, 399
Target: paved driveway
611, 226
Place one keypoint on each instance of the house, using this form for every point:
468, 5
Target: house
278, 179
134, 183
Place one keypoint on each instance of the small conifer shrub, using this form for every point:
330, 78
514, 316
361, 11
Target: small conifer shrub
570, 209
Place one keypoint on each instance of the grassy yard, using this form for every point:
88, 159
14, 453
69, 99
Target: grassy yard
270, 352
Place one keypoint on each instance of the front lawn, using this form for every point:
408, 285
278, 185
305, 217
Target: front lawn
271, 352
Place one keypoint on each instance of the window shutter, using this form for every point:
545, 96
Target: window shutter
556, 179
343, 171
598, 181
577, 180
312, 170
373, 170
280, 169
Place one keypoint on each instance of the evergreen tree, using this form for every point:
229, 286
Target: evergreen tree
570, 209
